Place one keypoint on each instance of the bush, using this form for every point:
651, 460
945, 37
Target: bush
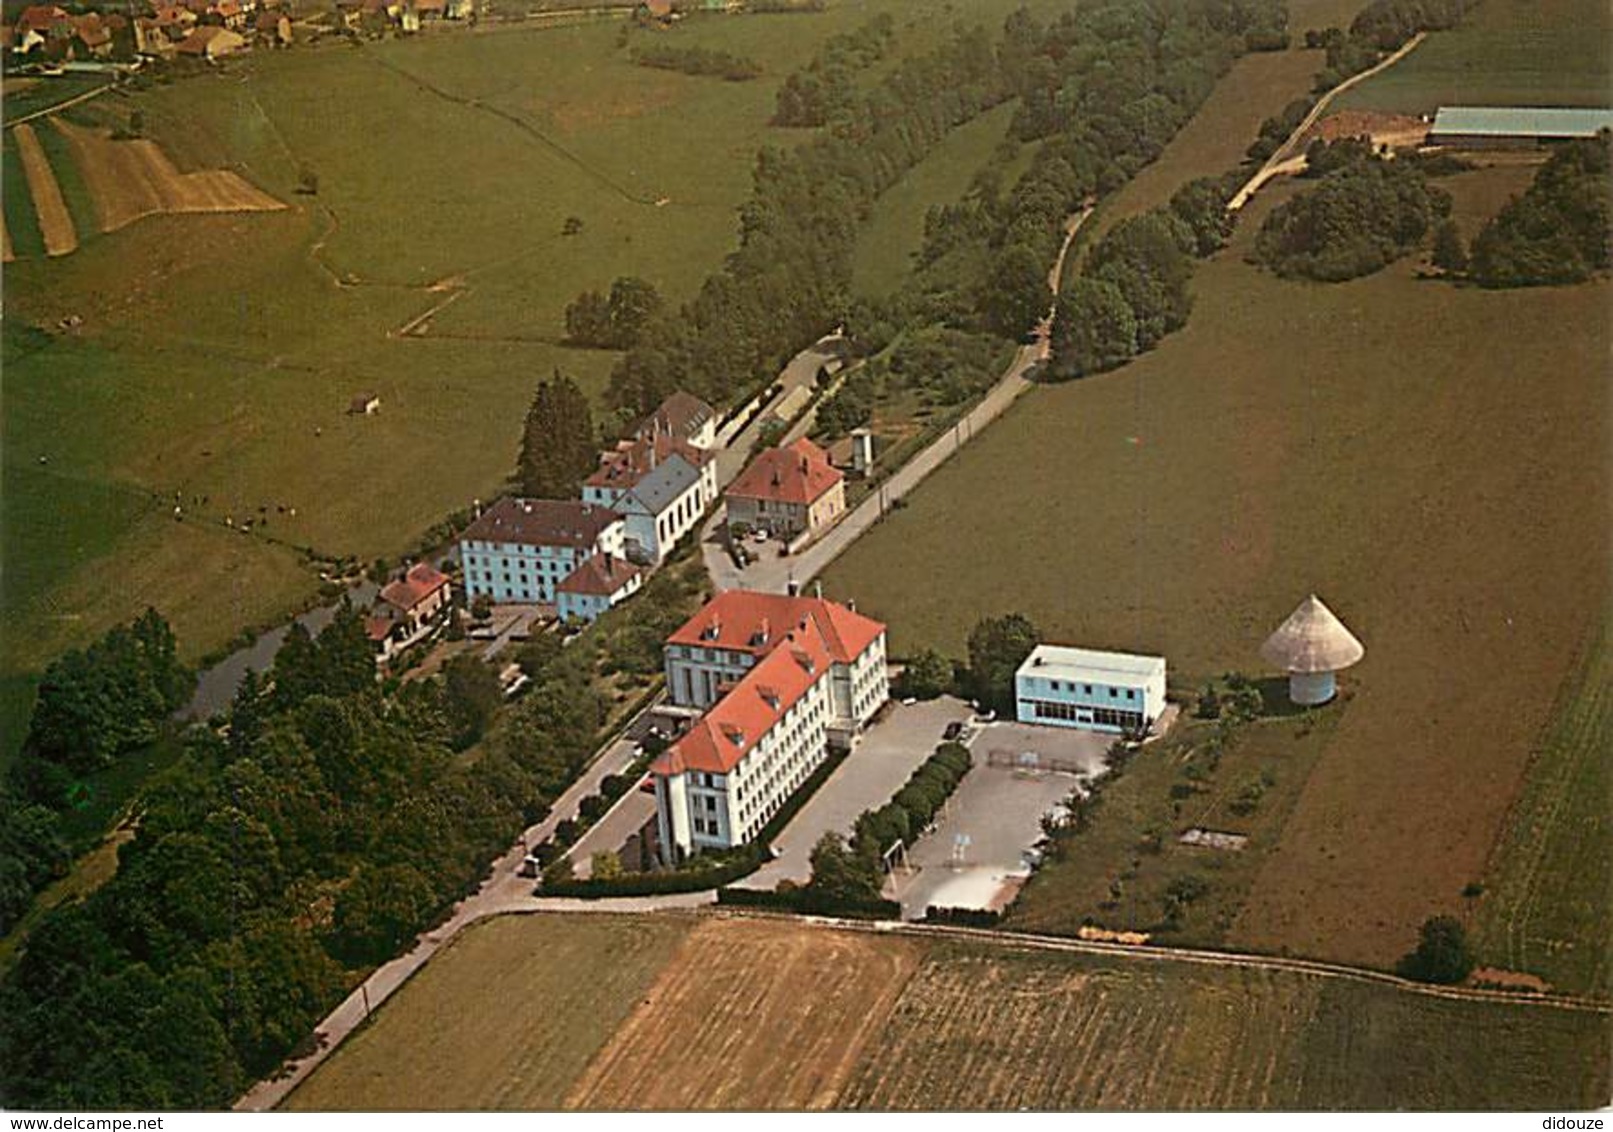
808, 902
1558, 231
717, 872
1442, 954
962, 917
698, 61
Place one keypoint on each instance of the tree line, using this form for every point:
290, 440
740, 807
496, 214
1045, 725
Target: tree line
1557, 231
277, 860
698, 61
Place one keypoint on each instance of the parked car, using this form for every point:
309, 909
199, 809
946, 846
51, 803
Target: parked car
648, 785
953, 732
530, 867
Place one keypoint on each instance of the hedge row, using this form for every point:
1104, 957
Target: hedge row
915, 804
808, 902
962, 917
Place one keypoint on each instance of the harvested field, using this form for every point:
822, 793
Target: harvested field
132, 179
55, 222
505, 1018
750, 1014
984, 1027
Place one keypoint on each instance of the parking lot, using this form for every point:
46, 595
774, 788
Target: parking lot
889, 753
975, 858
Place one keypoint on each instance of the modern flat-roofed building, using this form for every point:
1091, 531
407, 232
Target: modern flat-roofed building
786, 679
519, 550
1085, 688
1494, 127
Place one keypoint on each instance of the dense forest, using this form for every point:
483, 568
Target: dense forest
274, 862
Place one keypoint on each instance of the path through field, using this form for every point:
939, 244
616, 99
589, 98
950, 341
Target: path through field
55, 223
132, 179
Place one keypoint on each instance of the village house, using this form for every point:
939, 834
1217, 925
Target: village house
92, 37
520, 550
273, 28
600, 583
787, 491
1091, 690
43, 27
211, 42
792, 678
408, 609
682, 416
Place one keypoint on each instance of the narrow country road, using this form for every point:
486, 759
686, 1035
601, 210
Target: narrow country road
776, 575
1286, 160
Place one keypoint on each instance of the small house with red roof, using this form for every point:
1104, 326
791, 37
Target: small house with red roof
599, 583
211, 42
786, 491
409, 609
786, 679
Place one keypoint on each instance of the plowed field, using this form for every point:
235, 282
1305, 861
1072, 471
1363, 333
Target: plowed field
131, 179
751, 1015
55, 222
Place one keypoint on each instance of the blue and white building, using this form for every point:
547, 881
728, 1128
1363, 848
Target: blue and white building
1092, 690
519, 550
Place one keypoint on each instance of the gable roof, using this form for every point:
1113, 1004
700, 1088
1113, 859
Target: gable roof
422, 580
668, 483
41, 17
600, 575
753, 622
198, 41
731, 729
798, 473
542, 522
681, 415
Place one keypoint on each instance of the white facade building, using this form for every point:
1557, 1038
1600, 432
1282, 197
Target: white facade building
660, 486
1085, 688
786, 679
520, 550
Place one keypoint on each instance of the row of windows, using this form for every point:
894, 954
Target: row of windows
1086, 689
1107, 717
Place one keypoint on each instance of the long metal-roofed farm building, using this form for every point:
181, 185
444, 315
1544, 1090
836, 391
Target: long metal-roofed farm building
1504, 127
1089, 689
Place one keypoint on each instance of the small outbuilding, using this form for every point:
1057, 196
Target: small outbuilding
1311, 646
364, 405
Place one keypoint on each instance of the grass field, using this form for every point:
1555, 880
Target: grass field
1368, 441
506, 1018
1507, 53
216, 354
1549, 891
894, 230
774, 1014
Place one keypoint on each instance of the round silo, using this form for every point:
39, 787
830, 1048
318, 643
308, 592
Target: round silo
1311, 646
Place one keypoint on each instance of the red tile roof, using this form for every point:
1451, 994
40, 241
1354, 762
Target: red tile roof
41, 17
727, 732
632, 460
797, 473
748, 621
377, 628
599, 575
422, 580
542, 522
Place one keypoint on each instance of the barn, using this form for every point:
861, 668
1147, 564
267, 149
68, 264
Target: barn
1514, 127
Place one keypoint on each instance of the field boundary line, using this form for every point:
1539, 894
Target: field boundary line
60, 106
1201, 957
1275, 163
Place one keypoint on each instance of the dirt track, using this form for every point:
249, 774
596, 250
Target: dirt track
132, 179
55, 222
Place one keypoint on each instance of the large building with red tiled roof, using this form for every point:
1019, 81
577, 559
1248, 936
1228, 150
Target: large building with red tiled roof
785, 679
785, 491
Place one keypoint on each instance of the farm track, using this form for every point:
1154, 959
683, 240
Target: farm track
55, 222
6, 254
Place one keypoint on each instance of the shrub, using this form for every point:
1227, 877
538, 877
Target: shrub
1442, 954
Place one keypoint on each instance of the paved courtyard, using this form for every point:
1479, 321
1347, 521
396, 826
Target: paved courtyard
975, 857
888, 754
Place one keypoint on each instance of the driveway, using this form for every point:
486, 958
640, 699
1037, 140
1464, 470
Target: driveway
631, 813
882, 763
